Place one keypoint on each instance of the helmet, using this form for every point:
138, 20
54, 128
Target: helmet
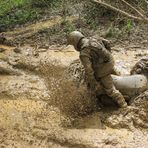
74, 38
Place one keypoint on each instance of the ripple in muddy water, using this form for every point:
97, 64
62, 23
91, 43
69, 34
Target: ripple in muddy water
14, 111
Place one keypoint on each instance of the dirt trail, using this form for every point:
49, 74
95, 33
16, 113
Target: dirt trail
28, 119
34, 28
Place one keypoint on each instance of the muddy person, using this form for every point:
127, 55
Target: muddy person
96, 57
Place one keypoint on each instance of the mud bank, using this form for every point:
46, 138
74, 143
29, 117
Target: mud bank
30, 117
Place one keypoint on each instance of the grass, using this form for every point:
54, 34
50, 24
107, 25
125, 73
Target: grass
17, 12
8, 5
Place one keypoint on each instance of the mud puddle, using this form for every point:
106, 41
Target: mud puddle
62, 56
28, 119
13, 112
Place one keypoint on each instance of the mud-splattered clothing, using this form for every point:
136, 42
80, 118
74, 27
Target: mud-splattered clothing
99, 64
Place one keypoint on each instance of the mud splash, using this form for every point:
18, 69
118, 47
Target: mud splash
29, 119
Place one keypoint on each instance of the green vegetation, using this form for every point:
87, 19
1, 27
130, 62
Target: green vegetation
18, 12
14, 13
119, 31
7, 6
93, 14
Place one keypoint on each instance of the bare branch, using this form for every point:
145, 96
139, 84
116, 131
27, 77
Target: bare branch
132, 8
143, 19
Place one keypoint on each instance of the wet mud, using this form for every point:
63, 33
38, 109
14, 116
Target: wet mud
41, 107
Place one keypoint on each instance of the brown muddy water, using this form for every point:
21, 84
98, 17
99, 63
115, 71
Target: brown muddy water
30, 118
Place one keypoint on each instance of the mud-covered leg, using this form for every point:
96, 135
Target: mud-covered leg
111, 91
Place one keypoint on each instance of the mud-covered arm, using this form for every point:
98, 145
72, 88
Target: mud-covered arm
106, 44
87, 65
89, 72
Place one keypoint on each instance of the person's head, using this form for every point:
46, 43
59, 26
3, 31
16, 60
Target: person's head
74, 39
